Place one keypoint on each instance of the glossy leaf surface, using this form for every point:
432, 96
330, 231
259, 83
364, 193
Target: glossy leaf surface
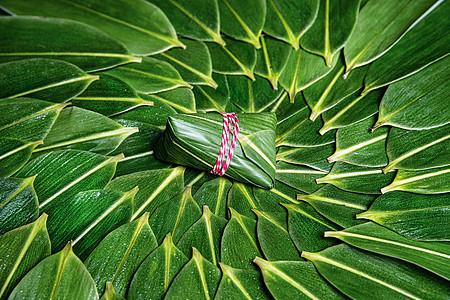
313, 157
214, 194
14, 154
299, 177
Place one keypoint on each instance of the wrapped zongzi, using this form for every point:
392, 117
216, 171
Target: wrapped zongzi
240, 146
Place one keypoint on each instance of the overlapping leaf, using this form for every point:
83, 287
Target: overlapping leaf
313, 157
214, 194
14, 154
299, 177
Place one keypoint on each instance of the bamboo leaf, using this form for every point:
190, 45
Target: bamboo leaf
110, 293
302, 70
424, 44
306, 227
61, 275
331, 28
149, 76
337, 205
214, 194
273, 235
375, 238
27, 119
380, 25
239, 243
241, 199
193, 62
20, 250
175, 216
18, 203
357, 145
181, 99
87, 217
198, 278
299, 177
415, 216
426, 149
432, 181
332, 89
155, 188
209, 99
204, 235
119, 255
242, 20
237, 58
422, 107
283, 21
348, 269
130, 24
270, 200
196, 20
240, 284
353, 178
88, 48
295, 279
80, 129
271, 59
63, 174
109, 96
14, 154
252, 96
313, 157
46, 79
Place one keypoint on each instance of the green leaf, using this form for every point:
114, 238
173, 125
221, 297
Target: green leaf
270, 200
294, 129
214, 194
20, 250
357, 145
241, 199
119, 255
331, 28
419, 217
243, 21
196, 20
40, 78
209, 99
299, 177
423, 149
380, 25
149, 76
162, 265
109, 96
313, 157
87, 217
155, 188
273, 235
355, 178
271, 59
372, 237
240, 284
295, 280
302, 70
63, 174
424, 44
14, 154
306, 227
252, 96
60, 276
332, 89
349, 269
110, 293
175, 216
283, 21
422, 106
337, 205
432, 181
18, 203
181, 99
198, 279
125, 20
27, 119
88, 48
237, 58
204, 235
239, 243
193, 63
80, 129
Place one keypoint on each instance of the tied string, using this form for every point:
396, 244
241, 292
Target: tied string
221, 166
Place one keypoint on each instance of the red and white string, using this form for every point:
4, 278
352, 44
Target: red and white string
230, 126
